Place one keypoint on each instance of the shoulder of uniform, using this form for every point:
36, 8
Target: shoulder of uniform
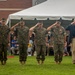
6, 25
44, 28
62, 27
17, 27
26, 27
54, 27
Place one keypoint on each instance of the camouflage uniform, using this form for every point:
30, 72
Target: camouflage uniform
58, 36
40, 43
4, 31
23, 33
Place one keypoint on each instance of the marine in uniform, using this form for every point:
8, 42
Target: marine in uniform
23, 35
4, 34
40, 41
59, 37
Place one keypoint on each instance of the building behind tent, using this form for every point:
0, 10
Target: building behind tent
11, 6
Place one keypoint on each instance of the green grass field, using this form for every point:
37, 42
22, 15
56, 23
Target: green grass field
13, 67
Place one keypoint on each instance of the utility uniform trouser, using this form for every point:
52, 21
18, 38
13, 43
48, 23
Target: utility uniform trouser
23, 52
58, 52
3, 52
73, 50
40, 50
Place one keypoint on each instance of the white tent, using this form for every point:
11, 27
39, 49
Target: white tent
52, 9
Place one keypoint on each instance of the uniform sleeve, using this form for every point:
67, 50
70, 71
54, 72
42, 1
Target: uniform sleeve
35, 30
16, 29
46, 35
46, 32
64, 31
28, 30
52, 29
8, 30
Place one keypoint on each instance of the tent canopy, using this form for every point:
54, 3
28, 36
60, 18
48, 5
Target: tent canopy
52, 9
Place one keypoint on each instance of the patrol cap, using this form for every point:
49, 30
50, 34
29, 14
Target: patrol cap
41, 22
58, 22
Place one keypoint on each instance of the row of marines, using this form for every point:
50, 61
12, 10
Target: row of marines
58, 33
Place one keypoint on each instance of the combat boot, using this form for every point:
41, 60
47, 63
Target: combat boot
38, 62
2, 63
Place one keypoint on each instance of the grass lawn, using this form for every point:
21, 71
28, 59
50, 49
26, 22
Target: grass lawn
13, 67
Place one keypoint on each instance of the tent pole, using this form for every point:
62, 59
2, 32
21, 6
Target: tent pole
9, 23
